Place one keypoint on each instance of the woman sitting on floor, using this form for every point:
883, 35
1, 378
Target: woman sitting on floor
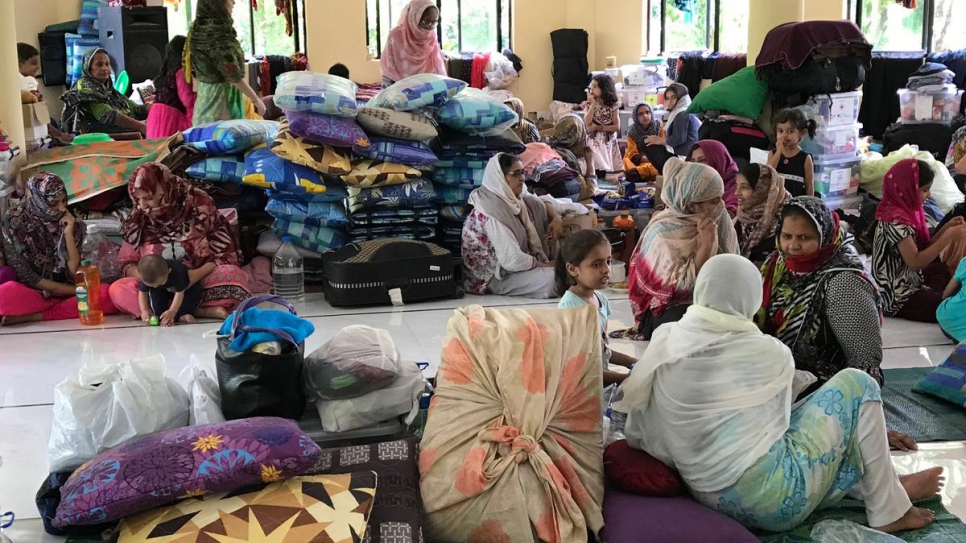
676, 244
177, 221
712, 398
524, 129
912, 270
42, 243
680, 127
507, 238
637, 168
715, 154
761, 194
94, 106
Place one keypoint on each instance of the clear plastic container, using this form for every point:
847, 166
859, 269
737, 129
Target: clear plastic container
837, 109
835, 178
833, 142
631, 96
288, 272
88, 288
102, 253
639, 75
917, 106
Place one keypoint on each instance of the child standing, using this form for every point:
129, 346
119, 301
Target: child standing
788, 159
170, 291
582, 267
603, 124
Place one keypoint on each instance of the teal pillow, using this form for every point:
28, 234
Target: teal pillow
740, 94
948, 381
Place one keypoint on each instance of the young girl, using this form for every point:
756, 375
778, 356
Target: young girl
582, 267
788, 158
603, 124
29, 63
905, 260
761, 196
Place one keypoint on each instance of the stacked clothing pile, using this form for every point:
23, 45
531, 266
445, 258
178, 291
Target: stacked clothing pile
548, 173
930, 96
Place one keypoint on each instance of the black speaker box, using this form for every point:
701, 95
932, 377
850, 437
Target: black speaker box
135, 38
53, 57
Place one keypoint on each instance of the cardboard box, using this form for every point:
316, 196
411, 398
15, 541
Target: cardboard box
36, 117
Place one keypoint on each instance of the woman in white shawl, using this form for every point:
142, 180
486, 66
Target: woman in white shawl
712, 398
508, 238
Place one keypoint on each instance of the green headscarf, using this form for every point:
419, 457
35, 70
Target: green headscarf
93, 91
213, 54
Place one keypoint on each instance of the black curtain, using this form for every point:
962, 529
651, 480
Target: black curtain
880, 103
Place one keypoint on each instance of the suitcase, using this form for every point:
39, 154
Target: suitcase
365, 273
737, 137
931, 137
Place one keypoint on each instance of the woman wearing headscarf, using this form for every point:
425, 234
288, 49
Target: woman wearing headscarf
570, 141
637, 167
715, 154
412, 47
215, 64
680, 127
912, 267
712, 398
525, 129
508, 238
42, 242
93, 105
174, 100
675, 245
761, 195
178, 221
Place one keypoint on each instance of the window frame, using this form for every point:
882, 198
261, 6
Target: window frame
299, 31
928, 21
501, 5
712, 25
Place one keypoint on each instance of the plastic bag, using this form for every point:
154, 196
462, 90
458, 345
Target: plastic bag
203, 394
357, 360
318, 93
102, 252
110, 405
399, 398
499, 72
843, 531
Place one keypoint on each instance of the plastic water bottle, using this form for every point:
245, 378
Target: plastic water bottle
87, 280
418, 425
288, 272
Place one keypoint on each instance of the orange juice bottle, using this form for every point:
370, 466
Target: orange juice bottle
88, 282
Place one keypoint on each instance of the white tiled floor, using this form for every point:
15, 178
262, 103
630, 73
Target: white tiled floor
35, 358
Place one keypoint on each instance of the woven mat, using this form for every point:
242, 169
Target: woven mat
922, 416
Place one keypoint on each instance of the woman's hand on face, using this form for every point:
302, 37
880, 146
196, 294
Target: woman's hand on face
707, 232
67, 222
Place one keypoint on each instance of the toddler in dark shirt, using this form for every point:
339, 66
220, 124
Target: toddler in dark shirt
170, 291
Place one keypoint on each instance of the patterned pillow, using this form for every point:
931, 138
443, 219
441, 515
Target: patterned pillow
412, 153
454, 196
457, 213
172, 464
77, 46
230, 137
375, 173
418, 91
416, 193
460, 144
398, 511
318, 239
459, 176
88, 17
265, 169
227, 169
327, 129
948, 381
331, 215
476, 112
321, 158
318, 93
331, 508
403, 125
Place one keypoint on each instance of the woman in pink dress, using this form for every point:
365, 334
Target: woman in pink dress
174, 100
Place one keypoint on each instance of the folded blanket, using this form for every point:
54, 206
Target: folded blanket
269, 319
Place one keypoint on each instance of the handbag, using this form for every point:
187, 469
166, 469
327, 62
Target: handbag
257, 384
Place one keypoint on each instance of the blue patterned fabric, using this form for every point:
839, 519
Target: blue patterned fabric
231, 137
814, 465
459, 177
416, 193
318, 239
423, 90
330, 214
410, 153
77, 47
318, 93
265, 169
475, 112
452, 195
224, 169
457, 213
422, 233
328, 130
948, 381
428, 216
88, 17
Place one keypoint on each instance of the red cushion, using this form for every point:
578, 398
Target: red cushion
637, 472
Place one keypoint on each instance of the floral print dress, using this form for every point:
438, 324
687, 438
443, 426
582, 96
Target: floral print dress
607, 154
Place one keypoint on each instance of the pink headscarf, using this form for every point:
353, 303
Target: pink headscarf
411, 50
716, 155
900, 199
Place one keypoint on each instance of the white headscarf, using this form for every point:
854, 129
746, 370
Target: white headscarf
712, 393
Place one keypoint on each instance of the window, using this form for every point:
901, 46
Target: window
464, 25
947, 36
688, 25
260, 31
892, 27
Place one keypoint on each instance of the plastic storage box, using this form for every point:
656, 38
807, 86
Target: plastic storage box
639, 75
838, 109
942, 106
833, 142
836, 178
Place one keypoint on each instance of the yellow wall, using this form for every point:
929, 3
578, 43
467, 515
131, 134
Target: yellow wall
825, 10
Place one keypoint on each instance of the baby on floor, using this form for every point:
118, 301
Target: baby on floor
172, 293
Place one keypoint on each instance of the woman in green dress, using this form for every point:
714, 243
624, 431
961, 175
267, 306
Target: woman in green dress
93, 105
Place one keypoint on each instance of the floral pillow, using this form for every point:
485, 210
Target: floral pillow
404, 125
411, 153
327, 129
418, 91
171, 465
416, 193
375, 173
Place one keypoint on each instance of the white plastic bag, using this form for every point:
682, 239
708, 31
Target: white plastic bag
399, 398
203, 394
843, 531
499, 72
356, 361
109, 405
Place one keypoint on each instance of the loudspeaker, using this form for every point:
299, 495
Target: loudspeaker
53, 57
135, 38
